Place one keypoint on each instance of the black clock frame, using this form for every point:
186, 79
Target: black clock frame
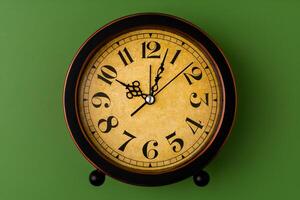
86, 51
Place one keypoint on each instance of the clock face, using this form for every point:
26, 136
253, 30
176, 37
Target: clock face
150, 100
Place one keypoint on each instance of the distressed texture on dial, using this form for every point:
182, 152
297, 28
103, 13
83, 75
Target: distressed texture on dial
190, 106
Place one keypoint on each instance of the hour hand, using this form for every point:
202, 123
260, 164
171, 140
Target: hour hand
122, 83
160, 70
133, 89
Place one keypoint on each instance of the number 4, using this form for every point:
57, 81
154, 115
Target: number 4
194, 126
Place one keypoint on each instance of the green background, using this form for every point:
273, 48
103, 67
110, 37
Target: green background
37, 43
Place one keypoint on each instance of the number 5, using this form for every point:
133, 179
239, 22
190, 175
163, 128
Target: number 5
179, 141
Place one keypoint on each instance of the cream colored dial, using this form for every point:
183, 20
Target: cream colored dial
150, 100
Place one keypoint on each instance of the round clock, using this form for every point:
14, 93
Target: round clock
149, 99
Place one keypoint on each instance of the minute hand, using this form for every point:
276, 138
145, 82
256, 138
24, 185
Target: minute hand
141, 106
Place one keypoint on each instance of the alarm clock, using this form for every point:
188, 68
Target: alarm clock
149, 99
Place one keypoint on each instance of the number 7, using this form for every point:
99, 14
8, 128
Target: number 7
123, 146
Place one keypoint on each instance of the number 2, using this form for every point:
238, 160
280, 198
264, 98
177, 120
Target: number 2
195, 75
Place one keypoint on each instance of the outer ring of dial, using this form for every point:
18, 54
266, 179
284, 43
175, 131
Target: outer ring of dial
217, 118
87, 50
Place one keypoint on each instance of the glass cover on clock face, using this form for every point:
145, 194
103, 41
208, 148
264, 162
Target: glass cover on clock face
150, 100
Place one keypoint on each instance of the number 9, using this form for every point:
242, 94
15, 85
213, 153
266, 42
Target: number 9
97, 102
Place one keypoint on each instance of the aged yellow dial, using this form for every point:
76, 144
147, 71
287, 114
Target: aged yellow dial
150, 100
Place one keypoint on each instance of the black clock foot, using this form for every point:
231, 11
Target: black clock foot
97, 178
201, 178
